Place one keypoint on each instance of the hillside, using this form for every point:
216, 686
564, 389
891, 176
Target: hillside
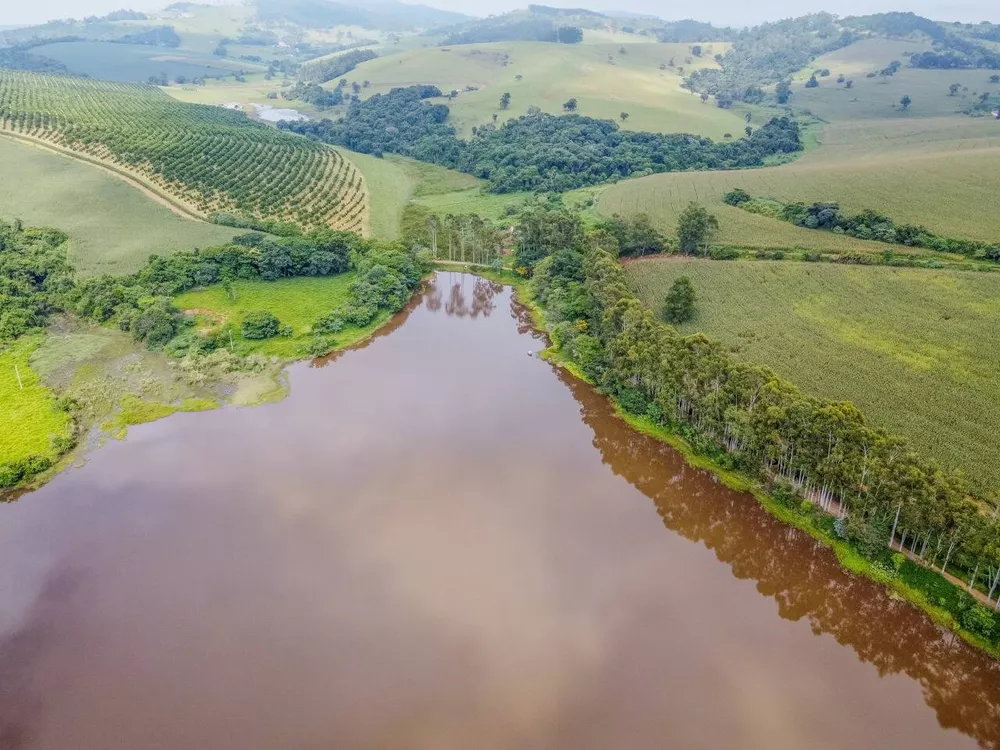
113, 227
604, 81
205, 160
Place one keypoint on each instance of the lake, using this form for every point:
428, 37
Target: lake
438, 541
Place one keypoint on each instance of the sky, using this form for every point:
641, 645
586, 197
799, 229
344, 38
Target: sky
720, 12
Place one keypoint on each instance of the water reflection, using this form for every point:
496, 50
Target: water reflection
803, 577
426, 546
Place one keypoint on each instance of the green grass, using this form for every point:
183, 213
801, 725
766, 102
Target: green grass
553, 73
389, 189
113, 227
943, 173
30, 418
914, 349
878, 98
137, 62
395, 181
297, 302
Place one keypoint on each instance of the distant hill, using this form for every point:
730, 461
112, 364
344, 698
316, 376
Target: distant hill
387, 15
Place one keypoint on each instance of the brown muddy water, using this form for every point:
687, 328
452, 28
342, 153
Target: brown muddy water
438, 542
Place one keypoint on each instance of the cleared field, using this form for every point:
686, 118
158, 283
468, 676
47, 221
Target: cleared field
551, 74
137, 62
296, 302
29, 415
943, 173
201, 159
388, 191
914, 349
395, 181
113, 227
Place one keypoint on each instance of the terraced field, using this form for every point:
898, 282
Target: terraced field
914, 349
202, 159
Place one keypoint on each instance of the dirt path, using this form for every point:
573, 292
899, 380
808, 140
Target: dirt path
125, 177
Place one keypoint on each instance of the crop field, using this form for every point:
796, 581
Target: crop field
296, 302
942, 173
113, 227
551, 74
204, 159
137, 62
915, 349
29, 415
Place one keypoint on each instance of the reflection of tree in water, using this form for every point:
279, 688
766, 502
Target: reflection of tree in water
483, 295
961, 684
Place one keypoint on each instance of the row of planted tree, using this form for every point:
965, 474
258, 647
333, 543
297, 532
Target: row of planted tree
875, 487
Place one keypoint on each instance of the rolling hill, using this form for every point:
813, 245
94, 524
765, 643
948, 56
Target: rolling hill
604, 81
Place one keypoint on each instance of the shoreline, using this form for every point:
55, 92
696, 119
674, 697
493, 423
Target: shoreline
805, 521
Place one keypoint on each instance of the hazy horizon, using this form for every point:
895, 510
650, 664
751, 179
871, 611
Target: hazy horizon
722, 12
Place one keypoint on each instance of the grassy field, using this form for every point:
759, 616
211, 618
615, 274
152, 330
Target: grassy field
914, 349
137, 62
553, 73
297, 302
29, 415
113, 227
389, 189
876, 98
940, 172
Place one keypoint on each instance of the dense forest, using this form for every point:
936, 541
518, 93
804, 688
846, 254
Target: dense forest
874, 488
537, 151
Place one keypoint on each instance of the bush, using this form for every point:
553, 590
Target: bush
979, 620
724, 253
330, 323
260, 324
736, 196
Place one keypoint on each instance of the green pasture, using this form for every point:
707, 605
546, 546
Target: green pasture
28, 412
297, 302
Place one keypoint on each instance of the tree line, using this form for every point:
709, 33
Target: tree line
866, 225
537, 152
877, 489
321, 71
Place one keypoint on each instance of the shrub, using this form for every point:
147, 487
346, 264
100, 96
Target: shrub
260, 324
330, 323
978, 619
736, 196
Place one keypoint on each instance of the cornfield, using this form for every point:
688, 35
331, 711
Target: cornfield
207, 158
